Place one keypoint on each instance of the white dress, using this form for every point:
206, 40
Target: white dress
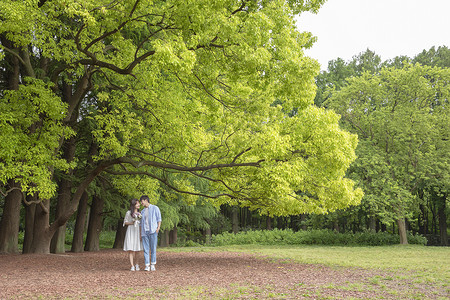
132, 240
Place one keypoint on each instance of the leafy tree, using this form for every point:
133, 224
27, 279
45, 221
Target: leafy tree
161, 92
401, 118
338, 71
439, 57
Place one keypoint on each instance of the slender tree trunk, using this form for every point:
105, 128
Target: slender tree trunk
373, 224
433, 220
77, 241
120, 235
64, 196
41, 233
442, 221
336, 225
30, 211
235, 219
9, 225
173, 236
303, 222
268, 223
59, 238
402, 231
164, 240
95, 225
423, 220
207, 235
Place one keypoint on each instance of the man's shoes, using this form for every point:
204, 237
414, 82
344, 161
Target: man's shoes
152, 267
147, 268
137, 268
132, 269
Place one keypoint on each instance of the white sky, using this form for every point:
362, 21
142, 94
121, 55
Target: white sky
345, 28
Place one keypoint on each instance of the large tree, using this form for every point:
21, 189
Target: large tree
179, 93
401, 118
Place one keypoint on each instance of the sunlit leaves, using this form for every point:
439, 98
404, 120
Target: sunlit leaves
30, 127
198, 95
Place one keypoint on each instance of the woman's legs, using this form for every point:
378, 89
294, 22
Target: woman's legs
132, 257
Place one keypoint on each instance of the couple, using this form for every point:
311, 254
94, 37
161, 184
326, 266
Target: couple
142, 232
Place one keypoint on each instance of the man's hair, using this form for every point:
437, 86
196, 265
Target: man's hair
145, 197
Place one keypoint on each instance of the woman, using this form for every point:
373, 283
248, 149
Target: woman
132, 242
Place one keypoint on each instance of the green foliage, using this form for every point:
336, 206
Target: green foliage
182, 93
31, 123
312, 237
439, 57
401, 118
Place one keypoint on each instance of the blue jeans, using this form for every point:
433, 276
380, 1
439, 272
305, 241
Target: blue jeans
149, 241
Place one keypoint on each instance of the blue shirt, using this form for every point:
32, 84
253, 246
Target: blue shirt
154, 216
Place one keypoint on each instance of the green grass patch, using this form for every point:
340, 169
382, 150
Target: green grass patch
426, 264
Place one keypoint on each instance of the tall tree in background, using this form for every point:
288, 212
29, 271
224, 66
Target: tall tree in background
172, 93
402, 119
439, 57
338, 71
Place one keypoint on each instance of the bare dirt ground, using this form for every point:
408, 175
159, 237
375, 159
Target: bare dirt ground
195, 275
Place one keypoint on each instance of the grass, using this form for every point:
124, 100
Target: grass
426, 264
412, 265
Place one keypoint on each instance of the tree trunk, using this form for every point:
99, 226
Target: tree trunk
59, 238
164, 241
30, 211
207, 234
64, 196
77, 241
402, 231
442, 221
9, 225
41, 233
268, 223
303, 222
423, 220
336, 225
58, 242
235, 219
95, 225
373, 224
173, 236
120, 235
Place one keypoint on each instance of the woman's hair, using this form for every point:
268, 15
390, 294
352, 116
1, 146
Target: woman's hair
133, 204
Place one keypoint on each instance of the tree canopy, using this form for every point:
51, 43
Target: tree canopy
194, 95
401, 118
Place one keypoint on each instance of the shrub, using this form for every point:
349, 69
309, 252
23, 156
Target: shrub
312, 237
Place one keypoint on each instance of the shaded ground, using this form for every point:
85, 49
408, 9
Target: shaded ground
195, 275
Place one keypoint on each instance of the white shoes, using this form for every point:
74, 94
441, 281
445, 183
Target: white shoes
137, 268
132, 268
150, 268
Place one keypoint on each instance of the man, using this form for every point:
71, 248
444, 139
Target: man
150, 224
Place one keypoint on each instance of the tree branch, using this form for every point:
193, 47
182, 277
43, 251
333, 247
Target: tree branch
138, 164
172, 187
